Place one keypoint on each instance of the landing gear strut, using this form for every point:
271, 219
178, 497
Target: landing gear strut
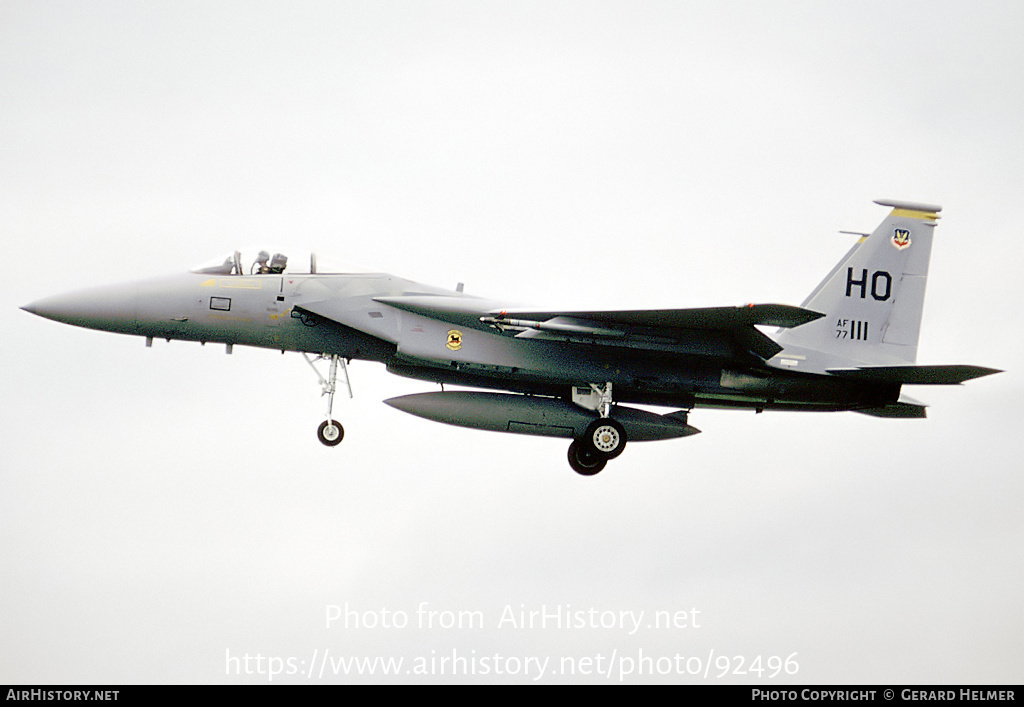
330, 432
604, 438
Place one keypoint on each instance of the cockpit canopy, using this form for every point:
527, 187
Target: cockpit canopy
273, 261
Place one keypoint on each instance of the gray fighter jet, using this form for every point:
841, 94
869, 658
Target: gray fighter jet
851, 345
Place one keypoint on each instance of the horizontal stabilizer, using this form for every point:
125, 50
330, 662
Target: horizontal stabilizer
897, 410
915, 375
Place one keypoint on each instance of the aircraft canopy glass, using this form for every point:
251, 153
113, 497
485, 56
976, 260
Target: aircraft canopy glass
274, 261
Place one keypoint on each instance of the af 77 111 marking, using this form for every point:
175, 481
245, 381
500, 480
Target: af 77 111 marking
853, 330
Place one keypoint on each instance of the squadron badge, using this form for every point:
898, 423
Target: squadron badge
901, 238
454, 340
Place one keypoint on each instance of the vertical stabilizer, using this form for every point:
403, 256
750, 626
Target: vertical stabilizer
874, 297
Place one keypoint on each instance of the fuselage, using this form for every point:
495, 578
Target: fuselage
279, 311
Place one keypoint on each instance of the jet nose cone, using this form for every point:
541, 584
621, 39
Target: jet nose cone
107, 308
49, 307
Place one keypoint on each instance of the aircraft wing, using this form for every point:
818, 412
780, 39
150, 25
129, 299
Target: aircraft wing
647, 328
717, 331
775, 315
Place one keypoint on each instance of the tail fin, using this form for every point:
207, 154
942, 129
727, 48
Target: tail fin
873, 298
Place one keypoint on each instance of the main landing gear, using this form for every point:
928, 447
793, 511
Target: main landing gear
330, 432
604, 438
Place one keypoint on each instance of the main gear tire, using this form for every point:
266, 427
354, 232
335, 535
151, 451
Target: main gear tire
606, 436
585, 460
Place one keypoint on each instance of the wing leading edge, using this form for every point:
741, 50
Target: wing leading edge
776, 315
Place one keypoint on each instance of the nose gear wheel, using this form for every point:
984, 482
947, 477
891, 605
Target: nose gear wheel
330, 432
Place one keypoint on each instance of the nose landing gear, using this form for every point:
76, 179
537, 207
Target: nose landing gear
330, 433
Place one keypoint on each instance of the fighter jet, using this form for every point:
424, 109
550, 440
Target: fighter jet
851, 345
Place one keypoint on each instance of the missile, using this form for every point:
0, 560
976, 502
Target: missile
562, 325
535, 415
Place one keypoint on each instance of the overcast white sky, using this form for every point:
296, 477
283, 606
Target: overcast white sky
166, 510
